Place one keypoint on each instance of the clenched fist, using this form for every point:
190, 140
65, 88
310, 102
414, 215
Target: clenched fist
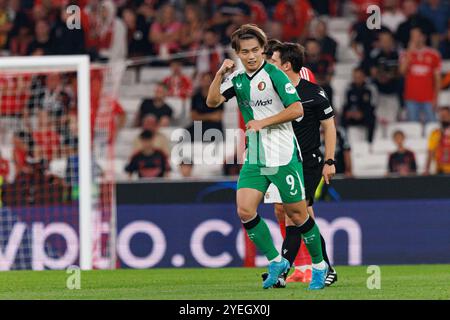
227, 65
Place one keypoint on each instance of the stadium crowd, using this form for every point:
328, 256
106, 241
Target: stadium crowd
399, 76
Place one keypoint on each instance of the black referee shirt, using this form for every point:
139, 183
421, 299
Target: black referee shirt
316, 107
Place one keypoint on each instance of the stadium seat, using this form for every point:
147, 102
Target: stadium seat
370, 165
412, 130
356, 134
360, 148
383, 146
416, 145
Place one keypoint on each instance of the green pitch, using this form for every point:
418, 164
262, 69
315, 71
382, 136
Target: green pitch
397, 282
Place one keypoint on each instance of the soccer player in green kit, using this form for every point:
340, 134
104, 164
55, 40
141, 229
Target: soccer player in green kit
268, 102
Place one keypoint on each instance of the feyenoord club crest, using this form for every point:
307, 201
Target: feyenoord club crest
261, 86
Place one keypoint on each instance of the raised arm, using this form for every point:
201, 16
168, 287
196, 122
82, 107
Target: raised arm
215, 98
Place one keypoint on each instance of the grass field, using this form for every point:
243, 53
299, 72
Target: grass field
397, 282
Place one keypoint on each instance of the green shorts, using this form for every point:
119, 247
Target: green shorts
288, 179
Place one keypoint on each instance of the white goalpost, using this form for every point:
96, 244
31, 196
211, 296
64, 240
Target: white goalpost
13, 238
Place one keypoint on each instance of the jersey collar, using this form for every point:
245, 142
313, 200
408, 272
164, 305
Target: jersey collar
251, 76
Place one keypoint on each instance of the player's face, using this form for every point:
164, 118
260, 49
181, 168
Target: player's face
251, 54
276, 60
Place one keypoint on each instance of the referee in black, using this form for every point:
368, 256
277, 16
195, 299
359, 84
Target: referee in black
289, 57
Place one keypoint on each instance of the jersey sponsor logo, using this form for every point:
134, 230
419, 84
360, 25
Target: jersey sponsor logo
261, 86
257, 103
289, 88
328, 110
238, 86
322, 93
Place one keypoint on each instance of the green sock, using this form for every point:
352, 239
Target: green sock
313, 242
259, 233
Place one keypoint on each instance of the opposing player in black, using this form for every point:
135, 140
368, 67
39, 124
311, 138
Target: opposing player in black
318, 112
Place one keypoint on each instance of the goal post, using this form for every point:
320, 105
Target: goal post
81, 65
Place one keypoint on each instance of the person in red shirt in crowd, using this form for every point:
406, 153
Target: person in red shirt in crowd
165, 32
211, 53
178, 84
193, 28
4, 169
421, 66
23, 150
258, 12
295, 15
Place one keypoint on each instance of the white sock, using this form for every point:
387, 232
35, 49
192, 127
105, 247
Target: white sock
276, 259
320, 266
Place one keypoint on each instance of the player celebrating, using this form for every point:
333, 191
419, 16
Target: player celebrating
289, 58
268, 103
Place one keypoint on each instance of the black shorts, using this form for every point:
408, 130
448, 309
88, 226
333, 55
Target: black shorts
312, 173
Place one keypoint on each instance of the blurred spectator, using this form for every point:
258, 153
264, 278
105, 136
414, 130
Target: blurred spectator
91, 22
322, 66
113, 33
414, 20
185, 168
54, 99
193, 28
211, 118
421, 67
327, 44
19, 44
360, 104
392, 16
47, 140
137, 33
439, 144
383, 66
66, 41
258, 12
116, 120
148, 162
165, 32
323, 7
295, 15
228, 17
274, 29
363, 39
6, 24
160, 141
438, 12
178, 84
23, 145
402, 161
211, 54
343, 153
155, 106
4, 170
42, 43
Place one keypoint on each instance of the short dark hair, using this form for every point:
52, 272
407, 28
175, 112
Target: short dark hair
398, 132
293, 53
246, 32
146, 135
272, 46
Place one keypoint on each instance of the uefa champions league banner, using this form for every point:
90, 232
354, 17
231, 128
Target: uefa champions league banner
210, 235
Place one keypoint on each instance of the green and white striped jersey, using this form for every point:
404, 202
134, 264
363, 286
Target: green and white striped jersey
260, 95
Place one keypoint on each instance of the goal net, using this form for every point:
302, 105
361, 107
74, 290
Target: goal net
56, 154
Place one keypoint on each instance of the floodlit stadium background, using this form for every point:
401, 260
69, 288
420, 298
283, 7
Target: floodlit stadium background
176, 214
